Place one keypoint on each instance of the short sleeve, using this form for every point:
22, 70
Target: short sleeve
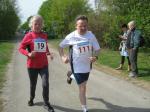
67, 41
95, 43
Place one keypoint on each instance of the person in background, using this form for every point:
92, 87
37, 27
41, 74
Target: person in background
123, 48
133, 43
85, 49
34, 47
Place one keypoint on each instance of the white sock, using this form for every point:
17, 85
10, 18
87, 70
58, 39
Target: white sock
84, 108
72, 77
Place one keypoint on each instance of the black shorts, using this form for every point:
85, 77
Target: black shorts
81, 77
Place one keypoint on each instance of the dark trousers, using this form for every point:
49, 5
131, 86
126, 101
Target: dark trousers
33, 75
133, 53
123, 60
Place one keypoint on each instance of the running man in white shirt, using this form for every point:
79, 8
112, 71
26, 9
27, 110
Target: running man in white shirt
85, 49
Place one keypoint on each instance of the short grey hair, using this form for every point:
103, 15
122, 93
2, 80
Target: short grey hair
34, 18
81, 17
131, 23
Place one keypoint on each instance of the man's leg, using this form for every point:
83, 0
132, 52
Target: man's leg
69, 79
82, 95
81, 79
133, 60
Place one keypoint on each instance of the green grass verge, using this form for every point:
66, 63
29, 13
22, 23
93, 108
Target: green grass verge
112, 59
6, 49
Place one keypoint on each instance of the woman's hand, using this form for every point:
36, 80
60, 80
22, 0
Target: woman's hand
51, 56
31, 54
120, 36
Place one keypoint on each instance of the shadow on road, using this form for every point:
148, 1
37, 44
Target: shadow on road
144, 72
110, 108
116, 108
38, 103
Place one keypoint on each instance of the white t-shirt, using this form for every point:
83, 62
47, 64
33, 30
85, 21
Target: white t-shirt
83, 47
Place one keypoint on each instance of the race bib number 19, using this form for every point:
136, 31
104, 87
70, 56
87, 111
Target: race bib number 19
39, 45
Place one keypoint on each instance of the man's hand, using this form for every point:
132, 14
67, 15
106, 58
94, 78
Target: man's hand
65, 59
93, 59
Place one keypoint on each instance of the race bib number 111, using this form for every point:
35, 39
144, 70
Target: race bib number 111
84, 48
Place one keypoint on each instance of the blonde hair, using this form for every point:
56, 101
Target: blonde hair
131, 23
34, 18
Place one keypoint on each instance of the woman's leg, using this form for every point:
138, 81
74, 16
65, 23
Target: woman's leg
45, 84
122, 60
129, 64
33, 75
121, 63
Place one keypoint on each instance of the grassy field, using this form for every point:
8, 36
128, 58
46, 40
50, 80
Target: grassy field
112, 59
6, 49
5, 56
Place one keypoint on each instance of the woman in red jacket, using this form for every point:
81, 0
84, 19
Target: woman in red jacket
34, 46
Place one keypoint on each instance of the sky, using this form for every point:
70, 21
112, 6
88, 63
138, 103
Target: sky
28, 8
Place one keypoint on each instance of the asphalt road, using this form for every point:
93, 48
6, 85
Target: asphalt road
105, 93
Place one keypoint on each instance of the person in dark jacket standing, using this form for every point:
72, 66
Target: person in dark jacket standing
133, 42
